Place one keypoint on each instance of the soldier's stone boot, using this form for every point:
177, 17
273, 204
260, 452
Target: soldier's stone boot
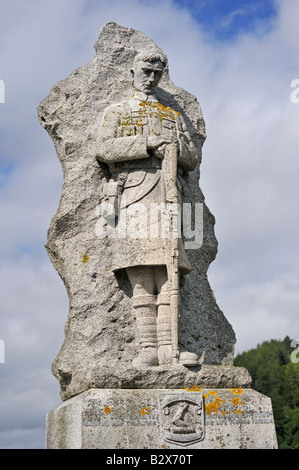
165, 353
188, 359
146, 329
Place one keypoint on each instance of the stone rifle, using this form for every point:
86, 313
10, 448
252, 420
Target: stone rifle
172, 207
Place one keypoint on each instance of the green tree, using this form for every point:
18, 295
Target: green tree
273, 374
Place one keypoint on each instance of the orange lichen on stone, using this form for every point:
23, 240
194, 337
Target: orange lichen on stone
237, 391
218, 405
235, 401
145, 411
194, 388
107, 409
85, 258
159, 109
212, 407
167, 109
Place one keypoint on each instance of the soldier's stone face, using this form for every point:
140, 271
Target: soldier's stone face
146, 76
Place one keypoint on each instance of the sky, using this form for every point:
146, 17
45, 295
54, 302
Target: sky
239, 58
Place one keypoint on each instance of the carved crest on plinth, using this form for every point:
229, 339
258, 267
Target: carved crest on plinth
182, 419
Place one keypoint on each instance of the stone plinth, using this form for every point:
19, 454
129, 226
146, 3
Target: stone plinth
163, 419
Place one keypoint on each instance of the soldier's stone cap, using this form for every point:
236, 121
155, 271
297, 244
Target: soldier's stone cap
151, 55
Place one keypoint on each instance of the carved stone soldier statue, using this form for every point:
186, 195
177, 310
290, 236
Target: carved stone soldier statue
147, 147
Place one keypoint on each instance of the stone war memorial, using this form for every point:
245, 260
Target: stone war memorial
147, 360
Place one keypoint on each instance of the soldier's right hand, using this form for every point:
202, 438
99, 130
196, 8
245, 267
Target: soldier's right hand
160, 151
156, 141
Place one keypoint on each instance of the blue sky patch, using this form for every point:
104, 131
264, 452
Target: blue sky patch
226, 19
6, 170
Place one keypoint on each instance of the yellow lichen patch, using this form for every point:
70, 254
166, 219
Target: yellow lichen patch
157, 109
216, 405
107, 410
194, 388
212, 407
235, 401
167, 109
145, 411
85, 258
237, 391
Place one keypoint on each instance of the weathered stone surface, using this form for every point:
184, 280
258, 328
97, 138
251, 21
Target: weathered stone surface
100, 340
169, 419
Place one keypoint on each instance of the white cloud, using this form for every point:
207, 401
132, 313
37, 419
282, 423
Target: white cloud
33, 312
265, 310
249, 177
229, 19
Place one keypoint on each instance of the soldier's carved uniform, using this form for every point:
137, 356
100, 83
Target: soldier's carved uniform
137, 175
139, 182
